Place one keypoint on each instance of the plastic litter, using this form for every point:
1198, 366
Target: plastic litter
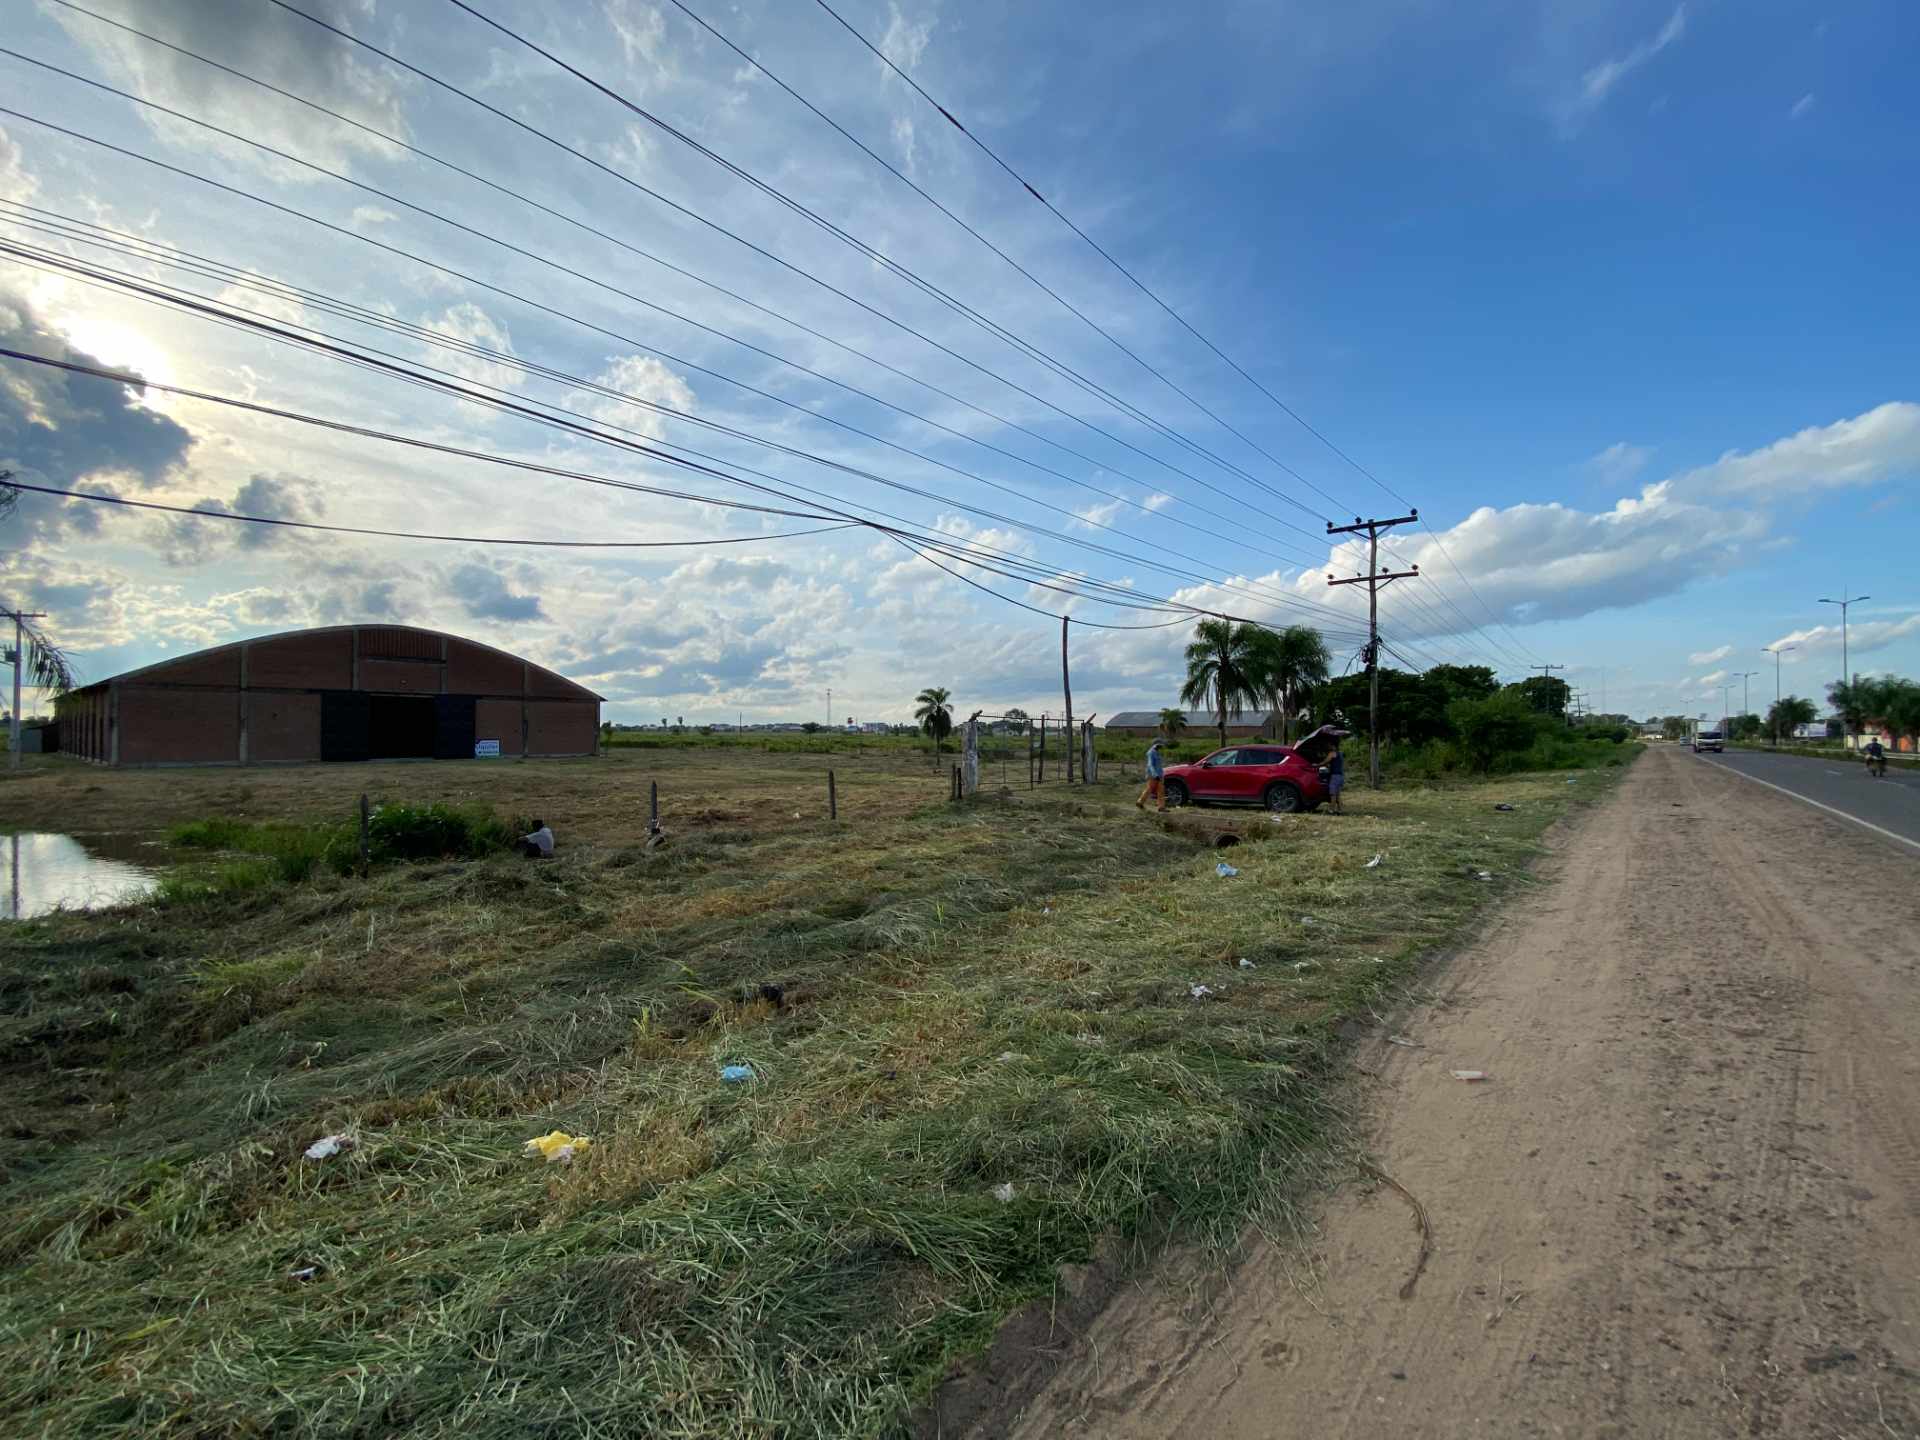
1401, 1040
1483, 875
305, 1272
1200, 992
736, 1074
1007, 1057
1004, 1193
1503, 806
1374, 863
1471, 1075
557, 1147
1224, 870
327, 1146
1246, 964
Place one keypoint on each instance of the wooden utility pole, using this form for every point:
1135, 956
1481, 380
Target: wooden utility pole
1066, 686
1546, 673
1373, 580
20, 619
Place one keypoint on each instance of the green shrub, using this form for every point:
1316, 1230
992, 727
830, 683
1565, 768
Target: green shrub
1500, 725
293, 853
429, 832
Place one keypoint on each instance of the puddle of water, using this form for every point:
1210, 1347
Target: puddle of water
41, 872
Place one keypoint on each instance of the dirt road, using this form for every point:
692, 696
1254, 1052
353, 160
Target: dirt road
1686, 1204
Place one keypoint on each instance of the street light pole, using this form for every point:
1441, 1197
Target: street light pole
1746, 695
1846, 669
1777, 651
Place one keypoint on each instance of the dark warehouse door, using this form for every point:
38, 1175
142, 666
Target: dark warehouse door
343, 725
453, 730
401, 727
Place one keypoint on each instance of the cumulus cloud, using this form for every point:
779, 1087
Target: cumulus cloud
1882, 444
486, 594
57, 428
468, 324
260, 40
1707, 657
641, 377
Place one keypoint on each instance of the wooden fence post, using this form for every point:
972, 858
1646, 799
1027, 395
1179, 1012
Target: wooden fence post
653, 804
365, 847
833, 802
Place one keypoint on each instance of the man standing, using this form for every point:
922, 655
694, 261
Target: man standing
1336, 778
1156, 771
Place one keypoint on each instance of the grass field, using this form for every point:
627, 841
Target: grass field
986, 1056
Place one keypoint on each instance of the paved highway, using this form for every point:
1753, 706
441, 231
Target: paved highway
1890, 806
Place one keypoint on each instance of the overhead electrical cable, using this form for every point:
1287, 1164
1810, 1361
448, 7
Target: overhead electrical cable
813, 217
1177, 317
390, 139
1034, 279
441, 382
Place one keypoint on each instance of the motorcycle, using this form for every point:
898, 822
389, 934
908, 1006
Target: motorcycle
1877, 766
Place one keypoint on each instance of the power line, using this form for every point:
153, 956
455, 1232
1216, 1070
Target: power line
1146, 290
801, 271
323, 344
872, 253
1042, 285
102, 498
400, 143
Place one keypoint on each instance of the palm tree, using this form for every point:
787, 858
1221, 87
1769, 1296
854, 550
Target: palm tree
1224, 669
1172, 722
1788, 715
935, 718
1292, 662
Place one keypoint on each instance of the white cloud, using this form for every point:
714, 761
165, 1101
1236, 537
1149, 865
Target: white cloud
468, 323
642, 30
1598, 82
1878, 445
1801, 106
905, 41
16, 181
1707, 657
1620, 462
644, 378
1862, 637
365, 217
1714, 677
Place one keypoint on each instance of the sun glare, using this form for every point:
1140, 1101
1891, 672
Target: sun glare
120, 346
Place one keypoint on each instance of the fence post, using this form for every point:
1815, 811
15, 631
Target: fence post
833, 802
365, 849
653, 804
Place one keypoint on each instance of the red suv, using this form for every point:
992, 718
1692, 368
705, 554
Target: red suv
1255, 774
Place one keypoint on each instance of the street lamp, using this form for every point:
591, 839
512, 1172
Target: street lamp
1777, 651
1726, 706
1746, 701
1846, 670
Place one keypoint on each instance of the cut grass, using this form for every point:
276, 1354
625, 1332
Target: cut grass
970, 998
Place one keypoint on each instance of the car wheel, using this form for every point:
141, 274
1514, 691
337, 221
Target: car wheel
1177, 793
1282, 798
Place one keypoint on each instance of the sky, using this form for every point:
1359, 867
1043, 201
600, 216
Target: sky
1620, 296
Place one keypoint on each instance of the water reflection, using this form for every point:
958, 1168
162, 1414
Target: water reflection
46, 872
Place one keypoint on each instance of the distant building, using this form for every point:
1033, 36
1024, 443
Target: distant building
348, 692
1248, 723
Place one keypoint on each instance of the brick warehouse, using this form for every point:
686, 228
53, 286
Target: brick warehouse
348, 692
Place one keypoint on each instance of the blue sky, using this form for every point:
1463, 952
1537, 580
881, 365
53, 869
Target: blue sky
1620, 295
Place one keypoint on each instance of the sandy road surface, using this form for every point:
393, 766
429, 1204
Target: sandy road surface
1688, 1204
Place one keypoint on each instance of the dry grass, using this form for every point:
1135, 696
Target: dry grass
969, 998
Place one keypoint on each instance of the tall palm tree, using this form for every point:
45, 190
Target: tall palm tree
934, 715
1224, 668
1172, 722
1292, 662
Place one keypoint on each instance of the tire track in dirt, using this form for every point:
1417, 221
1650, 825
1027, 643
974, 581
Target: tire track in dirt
1685, 1206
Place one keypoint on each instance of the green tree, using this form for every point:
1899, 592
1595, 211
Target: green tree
934, 714
1016, 721
1289, 664
1900, 708
1225, 669
1464, 682
1413, 707
1172, 722
1548, 694
1500, 724
1787, 715
1743, 727
1675, 727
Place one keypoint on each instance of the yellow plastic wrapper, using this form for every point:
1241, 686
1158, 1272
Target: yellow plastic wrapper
558, 1147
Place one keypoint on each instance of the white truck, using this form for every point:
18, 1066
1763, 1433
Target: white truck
1707, 736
